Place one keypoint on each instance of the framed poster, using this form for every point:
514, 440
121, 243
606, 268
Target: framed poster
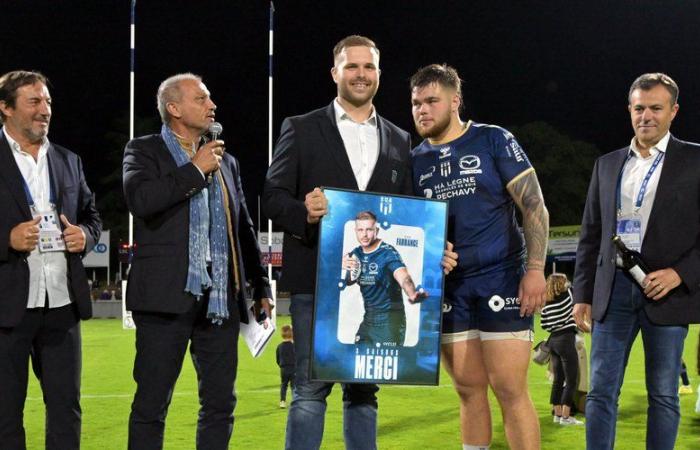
379, 286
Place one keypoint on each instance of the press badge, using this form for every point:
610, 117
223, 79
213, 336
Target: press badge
50, 234
629, 228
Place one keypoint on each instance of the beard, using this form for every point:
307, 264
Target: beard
440, 125
358, 99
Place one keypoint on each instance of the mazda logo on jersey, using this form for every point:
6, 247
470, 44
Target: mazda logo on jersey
469, 164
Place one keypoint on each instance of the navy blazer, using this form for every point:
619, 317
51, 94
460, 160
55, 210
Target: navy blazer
672, 238
310, 153
157, 193
73, 199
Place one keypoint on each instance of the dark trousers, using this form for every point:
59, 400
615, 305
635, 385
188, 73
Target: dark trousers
161, 344
52, 338
287, 377
564, 366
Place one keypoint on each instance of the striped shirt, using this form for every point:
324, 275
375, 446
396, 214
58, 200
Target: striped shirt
558, 314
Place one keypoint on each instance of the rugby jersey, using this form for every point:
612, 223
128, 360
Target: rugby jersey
472, 172
380, 290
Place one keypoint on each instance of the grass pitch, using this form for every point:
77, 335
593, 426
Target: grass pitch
409, 417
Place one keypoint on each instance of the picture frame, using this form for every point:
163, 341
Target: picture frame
366, 329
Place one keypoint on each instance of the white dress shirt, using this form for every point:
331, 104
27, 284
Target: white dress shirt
634, 173
48, 271
361, 140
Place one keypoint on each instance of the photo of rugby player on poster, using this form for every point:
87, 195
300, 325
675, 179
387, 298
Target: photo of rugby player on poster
379, 289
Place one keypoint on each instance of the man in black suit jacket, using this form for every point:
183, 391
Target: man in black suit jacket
344, 145
45, 293
195, 247
649, 193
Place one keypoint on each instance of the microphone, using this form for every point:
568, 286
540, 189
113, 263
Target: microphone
215, 129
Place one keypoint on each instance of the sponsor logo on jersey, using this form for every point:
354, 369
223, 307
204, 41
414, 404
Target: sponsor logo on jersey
453, 188
428, 193
498, 303
445, 169
515, 149
445, 152
426, 175
373, 268
469, 164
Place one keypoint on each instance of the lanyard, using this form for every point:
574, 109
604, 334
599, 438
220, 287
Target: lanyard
30, 199
645, 181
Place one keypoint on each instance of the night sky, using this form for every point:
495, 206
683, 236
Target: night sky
567, 63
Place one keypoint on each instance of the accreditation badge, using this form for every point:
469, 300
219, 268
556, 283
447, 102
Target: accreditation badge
50, 234
629, 228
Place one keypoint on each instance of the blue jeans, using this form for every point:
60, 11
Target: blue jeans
612, 339
308, 408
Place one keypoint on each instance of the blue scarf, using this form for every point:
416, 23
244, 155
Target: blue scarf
198, 279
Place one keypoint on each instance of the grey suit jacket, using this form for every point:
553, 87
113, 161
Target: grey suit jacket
672, 238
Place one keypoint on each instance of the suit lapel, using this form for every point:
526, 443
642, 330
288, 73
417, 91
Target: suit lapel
56, 173
13, 177
336, 147
382, 165
230, 187
610, 178
673, 165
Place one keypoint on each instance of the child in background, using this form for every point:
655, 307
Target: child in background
285, 360
557, 318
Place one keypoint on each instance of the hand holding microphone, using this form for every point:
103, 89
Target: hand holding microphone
208, 157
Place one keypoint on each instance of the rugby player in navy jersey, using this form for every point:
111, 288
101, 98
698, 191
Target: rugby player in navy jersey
491, 295
382, 276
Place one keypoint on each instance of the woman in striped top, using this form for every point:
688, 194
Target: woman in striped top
558, 320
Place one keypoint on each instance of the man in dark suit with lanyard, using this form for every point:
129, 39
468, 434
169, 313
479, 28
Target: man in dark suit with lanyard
649, 194
49, 222
195, 249
344, 145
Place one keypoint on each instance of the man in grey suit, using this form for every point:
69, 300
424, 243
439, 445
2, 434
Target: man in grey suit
653, 184
344, 145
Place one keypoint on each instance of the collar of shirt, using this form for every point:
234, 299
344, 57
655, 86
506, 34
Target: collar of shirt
341, 115
659, 147
43, 149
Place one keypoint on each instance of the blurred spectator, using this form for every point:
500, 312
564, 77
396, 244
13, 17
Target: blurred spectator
558, 320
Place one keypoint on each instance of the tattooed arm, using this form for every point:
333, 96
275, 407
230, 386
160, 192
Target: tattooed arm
527, 195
